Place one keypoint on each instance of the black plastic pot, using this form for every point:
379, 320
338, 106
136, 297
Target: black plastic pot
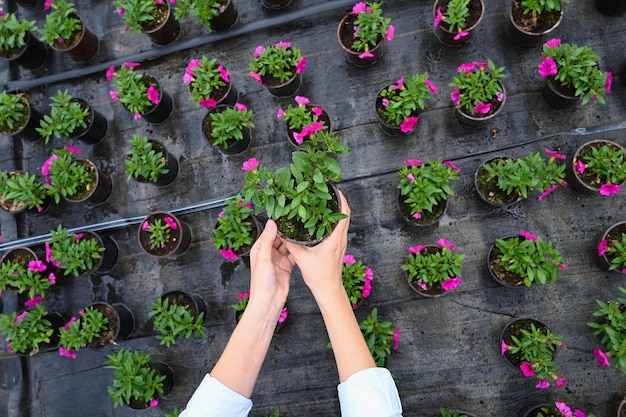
287, 88
161, 111
492, 256
85, 48
445, 36
614, 232
120, 319
390, 129
27, 3
276, 4
234, 146
617, 405
193, 302
525, 324
33, 56
96, 129
168, 31
345, 37
171, 163
524, 39
611, 7
225, 19
477, 121
405, 214
103, 185
28, 132
485, 198
435, 291
182, 237
161, 368
574, 178
557, 99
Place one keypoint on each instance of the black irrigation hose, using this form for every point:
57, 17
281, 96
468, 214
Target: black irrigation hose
161, 51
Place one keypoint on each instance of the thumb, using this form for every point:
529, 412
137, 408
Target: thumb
265, 242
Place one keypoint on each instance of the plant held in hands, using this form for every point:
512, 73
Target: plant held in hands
234, 228
143, 161
172, 321
379, 336
82, 331
477, 89
66, 115
612, 331
138, 92
434, 268
278, 61
357, 279
27, 331
73, 253
370, 28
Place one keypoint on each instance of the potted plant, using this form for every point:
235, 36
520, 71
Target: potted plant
209, 83
18, 117
478, 92
149, 161
73, 118
242, 303
379, 336
140, 94
445, 413
598, 166
276, 4
65, 31
455, 20
20, 191
76, 180
154, 18
237, 229
80, 253
530, 346
572, 75
278, 68
433, 270
138, 382
357, 280
424, 189
17, 43
213, 14
30, 331
22, 271
162, 234
617, 405
612, 330
227, 128
304, 115
398, 105
612, 248
178, 314
557, 409
361, 33
301, 198
524, 259
502, 181
531, 20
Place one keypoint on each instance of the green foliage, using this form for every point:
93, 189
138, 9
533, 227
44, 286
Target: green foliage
537, 347
276, 413
537, 7
229, 123
65, 117
22, 188
205, 78
13, 34
19, 276
406, 100
446, 413
132, 88
67, 176
134, 379
616, 253
299, 192
353, 278
519, 176
577, 68
234, 226
477, 82
203, 10
372, 27
534, 261
456, 14
432, 268
74, 254
144, 161
324, 141
299, 116
84, 330
242, 302
176, 413
613, 329
27, 331
173, 321
61, 23
278, 61
13, 111
606, 163
159, 232
379, 337
137, 14
426, 185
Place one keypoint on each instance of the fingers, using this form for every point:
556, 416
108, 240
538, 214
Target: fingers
265, 242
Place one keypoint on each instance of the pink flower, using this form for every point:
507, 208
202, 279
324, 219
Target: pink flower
221, 214
78, 236
367, 289
456, 97
466, 67
413, 163
527, 235
396, 338
208, 103
432, 86
312, 128
366, 54
228, 253
450, 283
301, 65
359, 8
460, 35
562, 267
369, 274
417, 215
280, 113
21, 316
408, 124
317, 111
399, 84
67, 353
283, 44
385, 102
187, 78
194, 63
72, 149
131, 65
298, 138
580, 166
416, 249
224, 73
171, 222
283, 315
113, 95
609, 82
527, 369
302, 101
602, 357
503, 347
154, 402
243, 295
260, 50
554, 154
560, 382
548, 191
443, 243
36, 266
547, 68
45, 168
500, 96
553, 43
250, 165
241, 107
34, 301
349, 260
121, 11
47, 4
481, 64
158, 1
137, 116
421, 284
52, 278
256, 76
609, 189
564, 409
153, 95
438, 17
451, 165
579, 413
145, 226
482, 108
110, 73
390, 32
410, 177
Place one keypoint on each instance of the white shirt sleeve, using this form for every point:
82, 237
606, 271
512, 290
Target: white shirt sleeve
369, 393
214, 399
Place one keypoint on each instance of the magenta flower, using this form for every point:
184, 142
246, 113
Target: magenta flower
301, 65
385, 102
283, 44
553, 43
145, 226
609, 82
443, 243
280, 113
250, 165
481, 64
369, 274
416, 249
602, 357
349, 260
408, 124
243, 295
366, 54
579, 413
317, 111
67, 353
399, 84
121, 11
45, 168
413, 163
410, 177
390, 32
396, 338
113, 95
283, 315
36, 266
527, 369
367, 289
503, 347
302, 101
451, 165
52, 278
208, 103
228, 253
110, 73
527, 235
482, 108
417, 215
34, 301
298, 138
131, 65
560, 382
241, 107
450, 283
153, 95
187, 78
432, 86
359, 8
224, 73
171, 222
137, 116
460, 35
421, 284
194, 63
580, 166
256, 76
312, 128
47, 4
72, 149
554, 154
21, 316
456, 97
438, 17
547, 68
500, 96
609, 189
548, 191
154, 402
78, 236
260, 50
564, 409
603, 247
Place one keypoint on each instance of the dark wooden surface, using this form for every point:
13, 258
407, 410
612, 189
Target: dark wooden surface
449, 354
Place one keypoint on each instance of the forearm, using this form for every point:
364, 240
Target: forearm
239, 366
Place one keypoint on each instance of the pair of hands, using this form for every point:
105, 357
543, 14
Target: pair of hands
272, 260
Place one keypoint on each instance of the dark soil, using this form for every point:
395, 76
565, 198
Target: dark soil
107, 336
170, 247
19, 124
515, 329
613, 237
588, 176
8, 204
180, 298
489, 190
475, 11
346, 35
435, 289
73, 40
427, 217
161, 15
498, 269
537, 24
85, 190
